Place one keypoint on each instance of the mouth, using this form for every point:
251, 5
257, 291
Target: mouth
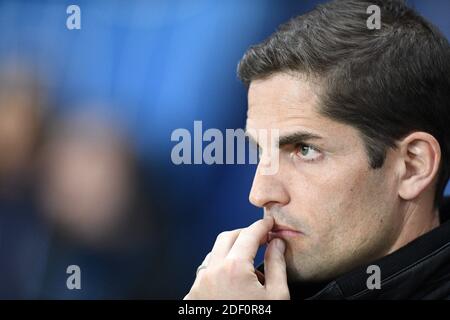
284, 232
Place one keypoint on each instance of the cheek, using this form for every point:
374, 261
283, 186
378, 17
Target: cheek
333, 200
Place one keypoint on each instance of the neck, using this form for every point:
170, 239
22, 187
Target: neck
418, 220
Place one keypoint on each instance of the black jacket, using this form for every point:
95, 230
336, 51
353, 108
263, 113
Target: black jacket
419, 270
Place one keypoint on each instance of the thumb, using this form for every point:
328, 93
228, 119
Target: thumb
275, 269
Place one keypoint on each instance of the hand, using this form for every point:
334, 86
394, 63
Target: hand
230, 273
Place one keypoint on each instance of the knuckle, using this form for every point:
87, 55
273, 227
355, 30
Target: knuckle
224, 235
204, 278
232, 266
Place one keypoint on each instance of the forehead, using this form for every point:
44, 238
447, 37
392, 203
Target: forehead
288, 102
281, 94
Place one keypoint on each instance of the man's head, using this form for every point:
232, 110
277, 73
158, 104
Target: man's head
363, 118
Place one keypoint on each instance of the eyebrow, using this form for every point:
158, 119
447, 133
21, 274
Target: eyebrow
292, 138
297, 137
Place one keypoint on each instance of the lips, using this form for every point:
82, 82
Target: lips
280, 231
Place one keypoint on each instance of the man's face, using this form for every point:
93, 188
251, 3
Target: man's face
347, 213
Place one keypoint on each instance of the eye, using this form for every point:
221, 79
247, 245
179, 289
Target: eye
307, 152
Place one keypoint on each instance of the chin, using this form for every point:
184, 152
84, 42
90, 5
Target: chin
309, 272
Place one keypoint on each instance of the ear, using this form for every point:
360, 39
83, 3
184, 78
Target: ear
420, 156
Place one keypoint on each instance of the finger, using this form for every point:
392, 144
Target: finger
222, 246
275, 268
206, 260
249, 240
203, 264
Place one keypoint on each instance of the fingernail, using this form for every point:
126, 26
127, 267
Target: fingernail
279, 244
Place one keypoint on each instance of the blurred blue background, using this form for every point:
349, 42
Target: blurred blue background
138, 70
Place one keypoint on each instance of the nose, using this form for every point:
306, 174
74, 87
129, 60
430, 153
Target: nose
268, 190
